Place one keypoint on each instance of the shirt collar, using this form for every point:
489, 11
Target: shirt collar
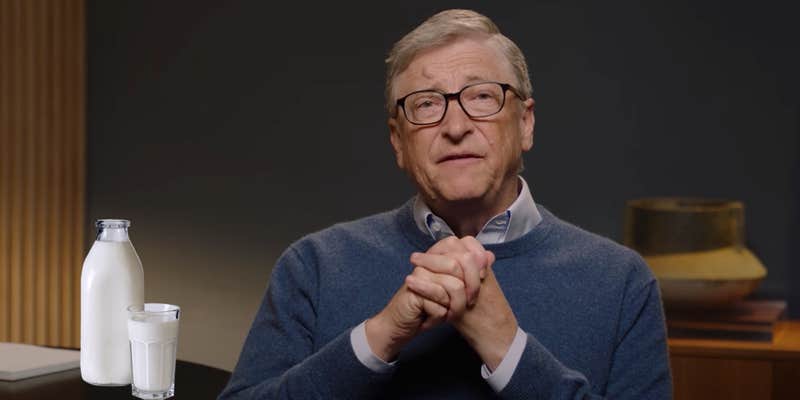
517, 220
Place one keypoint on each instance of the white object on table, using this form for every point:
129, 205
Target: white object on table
20, 361
153, 333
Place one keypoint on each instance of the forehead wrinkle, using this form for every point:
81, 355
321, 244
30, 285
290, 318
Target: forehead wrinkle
475, 65
451, 75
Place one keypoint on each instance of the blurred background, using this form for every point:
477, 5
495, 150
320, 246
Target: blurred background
227, 130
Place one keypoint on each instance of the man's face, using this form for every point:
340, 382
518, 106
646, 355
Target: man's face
462, 160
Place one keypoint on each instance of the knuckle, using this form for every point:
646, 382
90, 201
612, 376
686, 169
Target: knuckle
476, 255
452, 265
471, 240
470, 258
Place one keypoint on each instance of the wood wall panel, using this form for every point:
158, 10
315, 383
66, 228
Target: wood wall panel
698, 378
787, 377
42, 169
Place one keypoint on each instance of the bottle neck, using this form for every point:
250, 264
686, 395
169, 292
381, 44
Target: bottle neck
112, 234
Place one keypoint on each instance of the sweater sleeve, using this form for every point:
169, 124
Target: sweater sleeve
640, 364
279, 359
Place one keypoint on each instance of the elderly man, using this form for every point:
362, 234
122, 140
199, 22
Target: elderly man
469, 290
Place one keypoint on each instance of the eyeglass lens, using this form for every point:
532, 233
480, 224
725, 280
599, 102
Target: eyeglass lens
479, 100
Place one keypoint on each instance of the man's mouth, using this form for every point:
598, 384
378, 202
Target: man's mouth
458, 157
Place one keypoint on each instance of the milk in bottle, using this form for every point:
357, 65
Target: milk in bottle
111, 280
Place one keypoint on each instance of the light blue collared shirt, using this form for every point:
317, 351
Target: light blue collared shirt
517, 220
510, 224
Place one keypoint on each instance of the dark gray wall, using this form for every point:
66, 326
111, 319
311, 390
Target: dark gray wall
227, 130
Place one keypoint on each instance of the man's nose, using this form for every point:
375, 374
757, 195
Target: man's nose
456, 123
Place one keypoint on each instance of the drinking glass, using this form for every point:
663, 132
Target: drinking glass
153, 333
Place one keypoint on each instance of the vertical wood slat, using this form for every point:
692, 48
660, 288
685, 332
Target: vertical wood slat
5, 179
40, 239
78, 229
57, 188
42, 168
17, 188
28, 125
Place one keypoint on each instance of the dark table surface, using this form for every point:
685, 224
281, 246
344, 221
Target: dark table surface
192, 381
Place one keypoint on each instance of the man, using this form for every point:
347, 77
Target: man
469, 290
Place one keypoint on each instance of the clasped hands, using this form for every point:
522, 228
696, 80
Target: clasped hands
453, 281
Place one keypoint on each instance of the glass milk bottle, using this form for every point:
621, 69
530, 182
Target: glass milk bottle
111, 280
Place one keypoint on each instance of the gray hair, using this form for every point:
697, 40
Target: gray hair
444, 28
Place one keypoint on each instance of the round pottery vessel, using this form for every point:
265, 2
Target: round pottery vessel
695, 247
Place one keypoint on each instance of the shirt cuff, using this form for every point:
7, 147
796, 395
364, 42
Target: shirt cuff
358, 339
502, 375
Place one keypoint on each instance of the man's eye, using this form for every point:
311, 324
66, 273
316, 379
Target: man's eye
424, 104
482, 96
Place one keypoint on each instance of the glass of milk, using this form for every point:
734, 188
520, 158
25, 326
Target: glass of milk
153, 333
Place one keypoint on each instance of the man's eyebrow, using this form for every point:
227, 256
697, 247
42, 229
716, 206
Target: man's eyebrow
475, 78
439, 87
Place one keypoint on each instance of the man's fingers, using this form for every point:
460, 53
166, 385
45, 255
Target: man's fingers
463, 258
438, 263
458, 266
449, 244
453, 286
471, 267
434, 314
490, 259
473, 245
482, 255
428, 290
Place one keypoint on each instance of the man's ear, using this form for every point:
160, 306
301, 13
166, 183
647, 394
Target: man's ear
397, 145
527, 122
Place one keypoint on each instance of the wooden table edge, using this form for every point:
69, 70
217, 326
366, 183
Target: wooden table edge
784, 346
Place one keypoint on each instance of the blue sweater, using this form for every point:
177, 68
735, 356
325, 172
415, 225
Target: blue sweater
591, 309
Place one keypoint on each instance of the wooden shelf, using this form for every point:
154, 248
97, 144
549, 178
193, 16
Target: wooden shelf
785, 345
732, 369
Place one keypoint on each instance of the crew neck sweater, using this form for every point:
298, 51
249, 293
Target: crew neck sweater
591, 309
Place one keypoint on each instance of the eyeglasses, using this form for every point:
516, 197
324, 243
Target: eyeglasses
478, 100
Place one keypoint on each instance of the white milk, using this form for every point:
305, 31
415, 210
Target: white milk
153, 346
111, 280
